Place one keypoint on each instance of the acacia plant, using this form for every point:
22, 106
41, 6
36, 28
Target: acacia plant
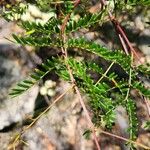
110, 90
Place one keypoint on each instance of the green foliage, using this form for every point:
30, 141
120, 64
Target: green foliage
136, 2
35, 77
140, 87
97, 93
11, 13
49, 27
44, 4
115, 56
130, 4
144, 70
87, 134
84, 22
32, 41
47, 5
147, 125
133, 122
105, 94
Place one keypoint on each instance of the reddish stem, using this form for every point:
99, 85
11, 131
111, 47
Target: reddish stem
123, 44
120, 31
72, 77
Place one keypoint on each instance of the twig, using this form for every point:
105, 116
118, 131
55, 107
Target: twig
64, 51
39, 116
88, 117
124, 40
105, 73
76, 3
124, 139
64, 24
47, 109
80, 99
123, 44
129, 81
120, 32
67, 17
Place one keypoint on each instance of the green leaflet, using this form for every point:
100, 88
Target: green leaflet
133, 121
33, 79
136, 2
141, 88
87, 21
14, 12
144, 69
117, 56
35, 41
49, 27
98, 93
112, 90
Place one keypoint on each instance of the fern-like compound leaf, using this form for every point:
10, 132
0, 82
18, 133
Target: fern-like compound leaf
136, 2
144, 70
87, 21
141, 88
116, 56
99, 99
133, 121
34, 41
37, 75
49, 27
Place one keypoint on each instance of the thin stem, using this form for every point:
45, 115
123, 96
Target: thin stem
76, 3
123, 44
120, 31
64, 51
47, 109
39, 116
129, 81
46, 99
123, 39
88, 117
80, 98
105, 73
125, 139
127, 96
126, 39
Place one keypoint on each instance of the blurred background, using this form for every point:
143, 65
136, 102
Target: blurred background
62, 128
